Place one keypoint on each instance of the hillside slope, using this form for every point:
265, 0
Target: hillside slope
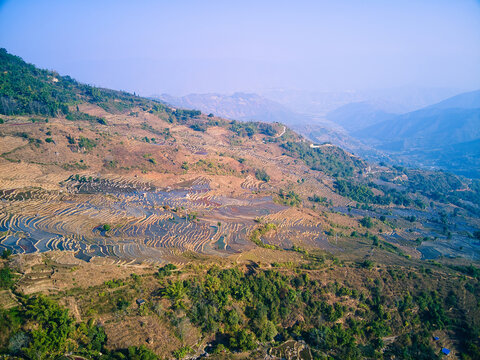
174, 174
169, 233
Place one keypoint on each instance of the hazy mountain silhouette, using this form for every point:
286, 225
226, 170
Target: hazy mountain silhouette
238, 106
444, 134
451, 121
356, 116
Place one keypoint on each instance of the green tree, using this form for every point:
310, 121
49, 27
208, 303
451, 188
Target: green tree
6, 278
366, 222
53, 327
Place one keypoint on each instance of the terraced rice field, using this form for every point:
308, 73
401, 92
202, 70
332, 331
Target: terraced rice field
145, 223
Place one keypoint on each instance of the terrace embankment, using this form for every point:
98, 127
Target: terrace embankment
129, 220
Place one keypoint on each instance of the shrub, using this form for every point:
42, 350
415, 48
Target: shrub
366, 222
289, 198
367, 264
6, 253
199, 127
6, 278
262, 175
86, 143
166, 270
182, 352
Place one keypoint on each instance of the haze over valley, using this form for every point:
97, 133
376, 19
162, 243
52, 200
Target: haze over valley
241, 180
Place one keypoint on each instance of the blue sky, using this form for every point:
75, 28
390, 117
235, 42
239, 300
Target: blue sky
185, 46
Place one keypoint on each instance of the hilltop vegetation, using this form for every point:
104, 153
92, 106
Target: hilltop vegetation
25, 89
330, 160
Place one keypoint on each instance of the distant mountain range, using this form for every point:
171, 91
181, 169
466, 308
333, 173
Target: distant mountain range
443, 135
393, 100
359, 115
238, 106
253, 107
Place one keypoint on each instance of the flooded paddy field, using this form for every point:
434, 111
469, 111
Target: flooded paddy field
443, 234
135, 222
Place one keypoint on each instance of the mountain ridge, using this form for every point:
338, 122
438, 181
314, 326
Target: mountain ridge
432, 131
237, 106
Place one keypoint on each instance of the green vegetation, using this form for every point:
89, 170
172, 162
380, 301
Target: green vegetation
256, 235
86, 143
366, 222
438, 186
262, 175
41, 329
182, 352
202, 127
25, 89
288, 198
166, 270
248, 129
183, 114
114, 283
78, 115
212, 167
241, 310
331, 160
364, 194
320, 200
357, 192
446, 188
432, 183
6, 278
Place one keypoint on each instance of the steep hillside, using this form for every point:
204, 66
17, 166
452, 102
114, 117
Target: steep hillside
133, 230
25, 89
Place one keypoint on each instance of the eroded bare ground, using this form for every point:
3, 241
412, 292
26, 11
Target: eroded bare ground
56, 271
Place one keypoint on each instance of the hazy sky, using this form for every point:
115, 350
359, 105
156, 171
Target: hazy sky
182, 46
